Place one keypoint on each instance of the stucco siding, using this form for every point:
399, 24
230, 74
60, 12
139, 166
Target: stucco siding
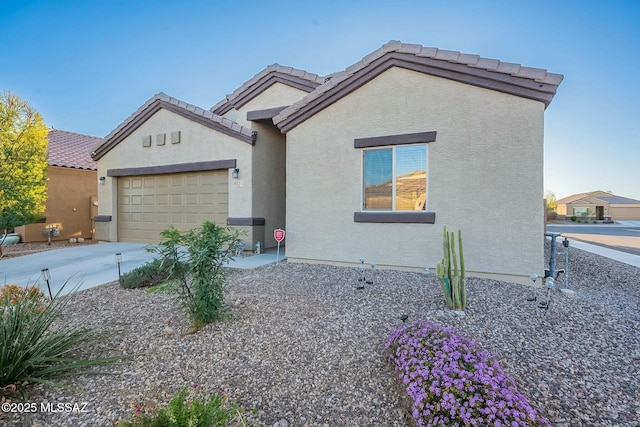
197, 144
484, 176
622, 213
70, 193
276, 95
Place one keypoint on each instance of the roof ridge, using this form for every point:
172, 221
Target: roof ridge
74, 133
163, 97
299, 73
470, 60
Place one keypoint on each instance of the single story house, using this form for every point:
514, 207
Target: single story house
449, 135
369, 162
72, 189
597, 205
172, 163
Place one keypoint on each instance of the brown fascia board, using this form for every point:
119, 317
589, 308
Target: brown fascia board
262, 85
264, 115
156, 106
174, 168
518, 86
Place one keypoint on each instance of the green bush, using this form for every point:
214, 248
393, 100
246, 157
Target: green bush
192, 409
574, 218
31, 350
195, 261
149, 274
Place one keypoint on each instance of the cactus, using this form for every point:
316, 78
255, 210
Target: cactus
453, 279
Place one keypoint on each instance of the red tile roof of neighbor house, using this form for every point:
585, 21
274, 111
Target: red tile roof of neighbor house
189, 111
274, 73
515, 79
72, 150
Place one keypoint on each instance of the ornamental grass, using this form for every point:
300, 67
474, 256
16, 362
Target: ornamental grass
453, 382
32, 350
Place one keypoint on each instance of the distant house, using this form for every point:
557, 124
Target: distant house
72, 189
369, 162
599, 204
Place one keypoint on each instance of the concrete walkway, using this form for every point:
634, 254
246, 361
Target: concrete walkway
87, 266
625, 257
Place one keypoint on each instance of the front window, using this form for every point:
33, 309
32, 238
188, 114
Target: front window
395, 178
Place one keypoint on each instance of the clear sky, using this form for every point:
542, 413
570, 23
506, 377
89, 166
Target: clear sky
87, 65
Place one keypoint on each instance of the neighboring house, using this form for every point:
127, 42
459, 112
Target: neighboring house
72, 188
376, 160
597, 205
171, 163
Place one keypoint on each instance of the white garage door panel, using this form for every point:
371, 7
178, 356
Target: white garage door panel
147, 205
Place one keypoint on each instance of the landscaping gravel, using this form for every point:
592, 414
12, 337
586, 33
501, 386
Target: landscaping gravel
302, 347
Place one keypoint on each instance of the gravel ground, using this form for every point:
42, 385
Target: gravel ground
302, 346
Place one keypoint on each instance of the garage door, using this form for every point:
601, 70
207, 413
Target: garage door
149, 204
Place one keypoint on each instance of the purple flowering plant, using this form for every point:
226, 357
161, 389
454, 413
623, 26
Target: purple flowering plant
453, 382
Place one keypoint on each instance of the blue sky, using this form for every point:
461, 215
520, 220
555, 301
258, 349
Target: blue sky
87, 65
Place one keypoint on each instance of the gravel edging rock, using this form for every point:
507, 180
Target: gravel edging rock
302, 346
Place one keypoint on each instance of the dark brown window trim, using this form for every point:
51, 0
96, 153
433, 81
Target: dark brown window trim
248, 221
177, 168
102, 218
396, 217
260, 115
406, 138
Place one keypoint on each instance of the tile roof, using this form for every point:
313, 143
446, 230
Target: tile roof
274, 73
619, 200
72, 150
599, 195
534, 83
162, 100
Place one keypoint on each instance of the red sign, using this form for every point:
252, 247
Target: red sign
278, 234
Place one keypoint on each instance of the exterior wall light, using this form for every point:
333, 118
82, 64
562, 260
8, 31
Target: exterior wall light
102, 179
235, 173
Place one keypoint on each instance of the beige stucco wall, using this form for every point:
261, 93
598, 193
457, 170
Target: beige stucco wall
70, 193
198, 143
484, 176
269, 169
625, 212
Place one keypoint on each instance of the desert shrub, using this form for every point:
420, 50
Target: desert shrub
31, 350
149, 274
451, 381
31, 297
574, 218
195, 261
192, 409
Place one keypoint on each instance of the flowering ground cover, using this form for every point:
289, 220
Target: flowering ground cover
451, 381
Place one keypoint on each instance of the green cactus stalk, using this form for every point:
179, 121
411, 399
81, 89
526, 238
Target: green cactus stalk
453, 280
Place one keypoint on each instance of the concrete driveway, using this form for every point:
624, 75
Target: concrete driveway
86, 266
81, 267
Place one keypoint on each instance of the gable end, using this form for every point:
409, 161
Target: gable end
341, 85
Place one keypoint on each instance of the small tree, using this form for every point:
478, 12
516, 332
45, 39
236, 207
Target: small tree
195, 261
23, 156
552, 202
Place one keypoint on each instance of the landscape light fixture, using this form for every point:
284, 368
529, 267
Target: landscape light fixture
118, 261
46, 276
373, 270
